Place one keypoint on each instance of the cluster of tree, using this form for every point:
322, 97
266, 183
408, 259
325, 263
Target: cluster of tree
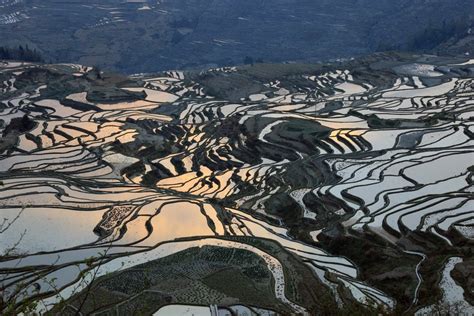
20, 53
432, 37
248, 60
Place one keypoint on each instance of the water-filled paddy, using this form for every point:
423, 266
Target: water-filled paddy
101, 185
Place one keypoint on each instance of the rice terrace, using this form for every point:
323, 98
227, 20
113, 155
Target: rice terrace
237, 158
117, 178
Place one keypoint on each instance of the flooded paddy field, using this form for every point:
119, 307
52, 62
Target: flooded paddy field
265, 189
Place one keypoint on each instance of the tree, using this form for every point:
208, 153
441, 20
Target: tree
97, 72
21, 53
248, 60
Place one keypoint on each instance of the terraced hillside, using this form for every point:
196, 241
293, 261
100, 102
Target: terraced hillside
290, 189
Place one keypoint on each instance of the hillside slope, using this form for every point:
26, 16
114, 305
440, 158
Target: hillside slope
176, 34
328, 186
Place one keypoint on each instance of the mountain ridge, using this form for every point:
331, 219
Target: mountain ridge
182, 34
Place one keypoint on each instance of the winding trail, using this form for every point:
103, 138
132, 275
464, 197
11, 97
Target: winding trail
418, 275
